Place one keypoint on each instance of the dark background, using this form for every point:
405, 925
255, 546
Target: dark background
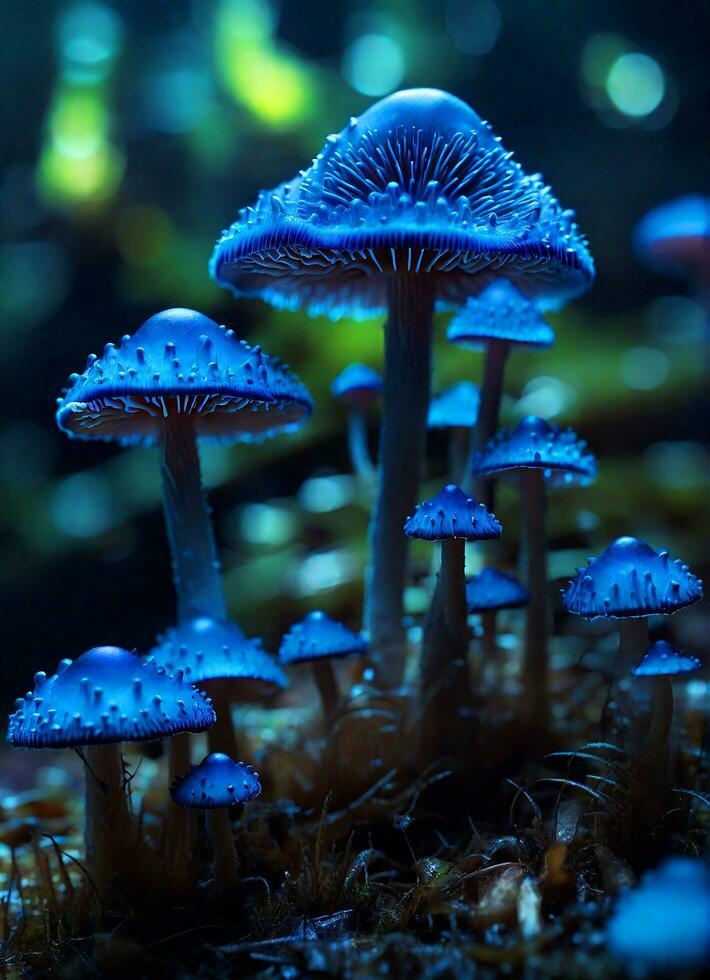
132, 133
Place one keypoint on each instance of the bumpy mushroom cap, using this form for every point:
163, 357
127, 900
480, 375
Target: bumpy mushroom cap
663, 660
107, 695
535, 444
664, 924
456, 407
180, 361
318, 637
357, 385
676, 235
501, 312
206, 649
418, 183
451, 514
491, 590
630, 579
216, 782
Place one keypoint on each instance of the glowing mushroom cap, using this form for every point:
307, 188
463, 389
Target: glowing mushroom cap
675, 236
491, 590
357, 385
664, 923
630, 579
451, 514
501, 312
181, 361
207, 649
535, 444
456, 407
318, 637
419, 184
107, 695
216, 782
663, 660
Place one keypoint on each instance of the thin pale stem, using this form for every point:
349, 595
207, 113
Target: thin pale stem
194, 553
177, 841
535, 660
360, 457
406, 391
221, 737
225, 863
324, 676
109, 829
488, 415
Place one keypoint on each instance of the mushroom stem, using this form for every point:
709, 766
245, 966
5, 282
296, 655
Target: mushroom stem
488, 415
406, 391
459, 439
633, 643
225, 863
444, 680
654, 745
535, 660
360, 457
177, 840
221, 737
187, 516
109, 829
489, 640
324, 676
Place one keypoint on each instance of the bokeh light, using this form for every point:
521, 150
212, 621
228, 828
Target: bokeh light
374, 64
83, 505
474, 25
89, 37
644, 368
636, 84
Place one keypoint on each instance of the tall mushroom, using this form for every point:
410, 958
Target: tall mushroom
181, 378
500, 319
487, 593
414, 204
451, 518
358, 386
92, 704
456, 409
539, 453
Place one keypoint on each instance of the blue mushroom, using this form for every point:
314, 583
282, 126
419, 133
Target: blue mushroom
675, 236
489, 592
414, 204
317, 640
92, 704
182, 377
218, 785
664, 923
537, 452
358, 387
499, 319
456, 409
451, 518
630, 581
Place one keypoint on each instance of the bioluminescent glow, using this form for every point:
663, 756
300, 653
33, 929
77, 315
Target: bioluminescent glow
374, 64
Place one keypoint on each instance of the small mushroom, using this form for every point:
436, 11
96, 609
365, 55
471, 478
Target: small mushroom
630, 581
92, 704
498, 320
318, 639
219, 786
456, 409
451, 518
660, 663
413, 205
486, 594
358, 387
538, 453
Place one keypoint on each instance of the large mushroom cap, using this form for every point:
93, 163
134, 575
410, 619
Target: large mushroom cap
417, 184
357, 385
107, 695
535, 444
663, 660
664, 923
456, 407
630, 579
207, 649
216, 782
491, 590
451, 514
180, 361
318, 637
675, 236
501, 312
